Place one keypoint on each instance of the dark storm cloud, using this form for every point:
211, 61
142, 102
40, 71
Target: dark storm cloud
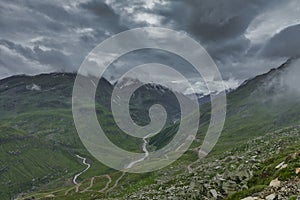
245, 38
285, 44
103, 15
102, 10
45, 57
209, 21
220, 26
214, 20
55, 35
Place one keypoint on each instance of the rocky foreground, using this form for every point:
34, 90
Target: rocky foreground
263, 168
279, 190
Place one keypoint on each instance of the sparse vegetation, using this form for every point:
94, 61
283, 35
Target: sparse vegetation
38, 143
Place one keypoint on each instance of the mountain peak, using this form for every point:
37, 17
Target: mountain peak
271, 74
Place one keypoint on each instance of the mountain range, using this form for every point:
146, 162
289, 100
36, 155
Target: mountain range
39, 142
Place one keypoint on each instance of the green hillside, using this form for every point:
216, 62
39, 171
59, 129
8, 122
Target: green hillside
38, 137
39, 142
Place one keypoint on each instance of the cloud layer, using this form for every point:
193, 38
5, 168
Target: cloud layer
244, 38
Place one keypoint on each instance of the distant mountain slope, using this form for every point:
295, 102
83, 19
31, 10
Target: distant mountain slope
36, 111
259, 108
264, 103
37, 133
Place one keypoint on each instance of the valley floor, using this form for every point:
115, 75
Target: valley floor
266, 167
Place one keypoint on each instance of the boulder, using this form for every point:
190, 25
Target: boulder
214, 193
271, 197
279, 165
229, 187
250, 198
275, 183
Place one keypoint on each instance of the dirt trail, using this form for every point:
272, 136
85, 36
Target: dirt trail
107, 184
117, 182
77, 187
106, 188
69, 190
91, 184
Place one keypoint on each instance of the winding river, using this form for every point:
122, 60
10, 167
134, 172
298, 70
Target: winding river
130, 165
85, 163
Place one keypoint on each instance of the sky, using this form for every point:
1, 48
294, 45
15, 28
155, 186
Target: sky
245, 38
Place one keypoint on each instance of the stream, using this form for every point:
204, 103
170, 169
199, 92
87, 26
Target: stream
130, 165
85, 163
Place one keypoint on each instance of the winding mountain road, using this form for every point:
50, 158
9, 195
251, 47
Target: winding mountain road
106, 188
117, 182
107, 184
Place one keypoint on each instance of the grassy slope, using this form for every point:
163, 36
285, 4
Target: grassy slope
38, 140
38, 125
250, 113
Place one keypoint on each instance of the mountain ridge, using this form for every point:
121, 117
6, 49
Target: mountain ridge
45, 122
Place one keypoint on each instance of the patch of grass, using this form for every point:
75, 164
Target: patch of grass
293, 197
245, 193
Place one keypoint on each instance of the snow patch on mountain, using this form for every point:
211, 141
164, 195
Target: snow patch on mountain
33, 87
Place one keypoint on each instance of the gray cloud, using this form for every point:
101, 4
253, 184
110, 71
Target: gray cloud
242, 36
221, 26
57, 36
214, 20
14, 63
54, 58
284, 44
